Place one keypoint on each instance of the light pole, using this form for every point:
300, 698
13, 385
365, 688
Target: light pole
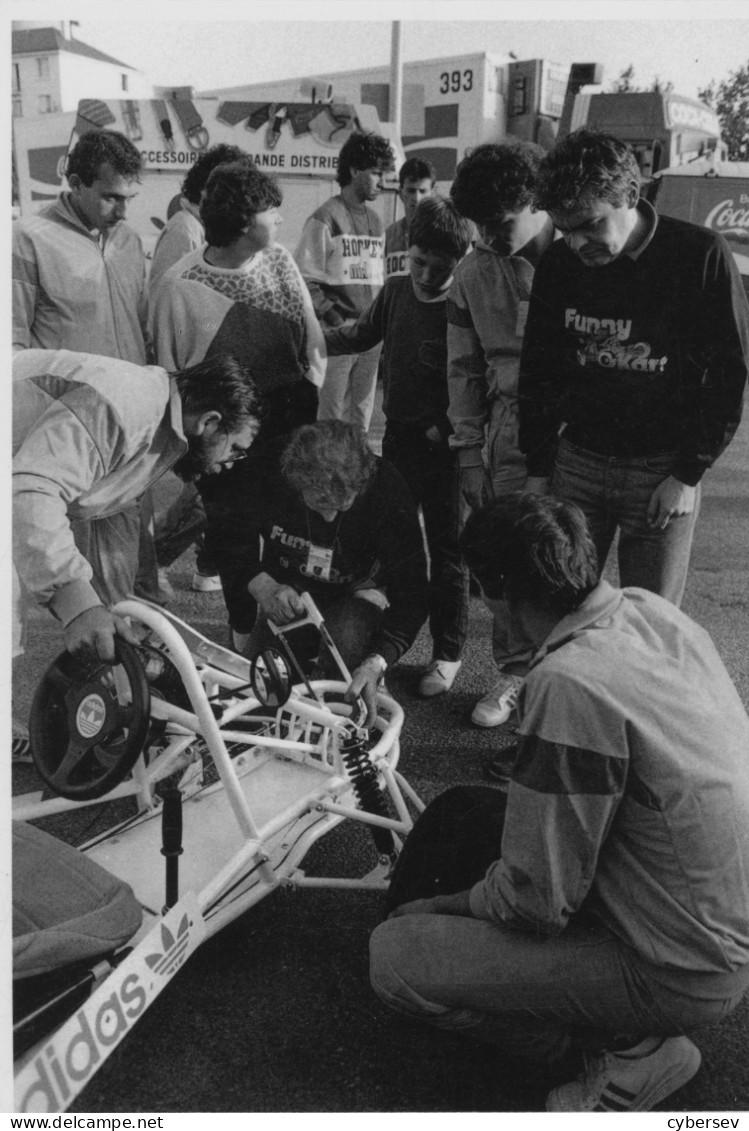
396, 78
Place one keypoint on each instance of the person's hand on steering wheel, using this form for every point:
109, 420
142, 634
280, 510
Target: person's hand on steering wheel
91, 634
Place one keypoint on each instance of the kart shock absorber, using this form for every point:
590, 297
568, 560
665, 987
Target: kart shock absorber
367, 790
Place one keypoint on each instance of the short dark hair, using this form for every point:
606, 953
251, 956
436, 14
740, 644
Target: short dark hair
103, 147
220, 384
496, 178
416, 169
363, 150
234, 193
330, 455
534, 547
196, 178
586, 165
438, 226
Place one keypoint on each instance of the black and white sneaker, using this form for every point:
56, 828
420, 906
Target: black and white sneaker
633, 1080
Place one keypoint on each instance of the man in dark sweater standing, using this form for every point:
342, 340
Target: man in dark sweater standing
634, 360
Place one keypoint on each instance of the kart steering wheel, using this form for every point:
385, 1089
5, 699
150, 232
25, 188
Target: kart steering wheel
89, 722
270, 678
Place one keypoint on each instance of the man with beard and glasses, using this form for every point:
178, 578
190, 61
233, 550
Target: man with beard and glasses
90, 436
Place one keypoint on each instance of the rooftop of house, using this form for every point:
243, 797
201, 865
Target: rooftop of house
44, 40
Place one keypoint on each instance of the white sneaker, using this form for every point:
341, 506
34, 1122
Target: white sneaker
498, 704
439, 677
634, 1080
205, 583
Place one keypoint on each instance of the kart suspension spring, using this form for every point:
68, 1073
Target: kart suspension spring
368, 793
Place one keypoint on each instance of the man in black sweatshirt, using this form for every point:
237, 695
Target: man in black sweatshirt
634, 360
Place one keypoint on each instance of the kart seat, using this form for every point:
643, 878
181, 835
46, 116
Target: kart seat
66, 908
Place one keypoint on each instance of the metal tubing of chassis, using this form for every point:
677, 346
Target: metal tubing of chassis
409, 791
395, 793
366, 818
209, 728
336, 882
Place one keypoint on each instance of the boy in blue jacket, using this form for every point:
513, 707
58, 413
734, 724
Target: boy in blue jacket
409, 317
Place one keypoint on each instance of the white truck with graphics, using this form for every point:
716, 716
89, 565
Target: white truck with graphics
449, 104
295, 127
297, 142
452, 104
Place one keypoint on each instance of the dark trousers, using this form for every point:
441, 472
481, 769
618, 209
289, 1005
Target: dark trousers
453, 843
227, 496
431, 472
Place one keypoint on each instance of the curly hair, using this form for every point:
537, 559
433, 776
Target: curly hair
438, 226
416, 169
331, 457
534, 547
363, 151
103, 147
587, 165
220, 384
195, 181
496, 178
234, 193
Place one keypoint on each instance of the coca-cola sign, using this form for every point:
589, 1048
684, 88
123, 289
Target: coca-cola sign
730, 219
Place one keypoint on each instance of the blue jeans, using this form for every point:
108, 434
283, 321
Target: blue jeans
613, 492
532, 995
512, 647
431, 472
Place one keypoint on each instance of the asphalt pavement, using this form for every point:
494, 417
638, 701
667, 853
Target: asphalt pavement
275, 1014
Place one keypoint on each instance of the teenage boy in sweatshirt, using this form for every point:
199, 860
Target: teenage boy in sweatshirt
486, 312
341, 257
409, 317
416, 178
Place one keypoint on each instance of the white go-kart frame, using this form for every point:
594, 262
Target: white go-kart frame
259, 766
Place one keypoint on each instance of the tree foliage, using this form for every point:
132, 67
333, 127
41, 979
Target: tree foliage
625, 84
730, 100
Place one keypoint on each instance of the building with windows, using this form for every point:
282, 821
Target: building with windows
51, 71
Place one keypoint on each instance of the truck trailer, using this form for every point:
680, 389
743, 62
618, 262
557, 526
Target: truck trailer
712, 193
449, 105
664, 129
296, 142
